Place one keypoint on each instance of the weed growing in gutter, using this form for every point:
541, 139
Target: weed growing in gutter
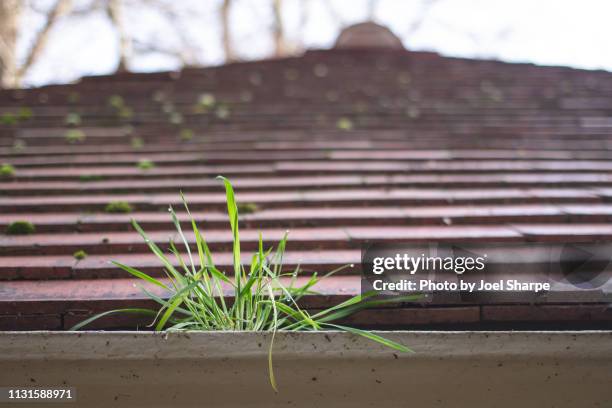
264, 298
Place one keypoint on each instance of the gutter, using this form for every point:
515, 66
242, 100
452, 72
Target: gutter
201, 369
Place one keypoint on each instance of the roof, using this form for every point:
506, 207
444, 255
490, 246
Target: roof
340, 146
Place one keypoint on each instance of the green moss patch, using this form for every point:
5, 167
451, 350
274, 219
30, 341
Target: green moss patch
247, 208
222, 112
118, 207
207, 100
73, 97
176, 118
75, 136
80, 255
9, 119
7, 170
344, 124
20, 228
116, 101
137, 142
126, 113
19, 146
186, 134
25, 113
145, 164
90, 177
73, 119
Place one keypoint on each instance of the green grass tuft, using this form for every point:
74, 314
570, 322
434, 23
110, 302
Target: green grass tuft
73, 97
7, 170
137, 142
90, 177
158, 96
413, 112
80, 255
116, 101
73, 119
222, 112
207, 100
9, 119
176, 118
20, 228
145, 164
25, 113
74, 136
126, 113
344, 124
19, 145
265, 296
186, 134
118, 207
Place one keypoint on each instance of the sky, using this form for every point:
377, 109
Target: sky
573, 33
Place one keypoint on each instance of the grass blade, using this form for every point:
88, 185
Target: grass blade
369, 335
96, 317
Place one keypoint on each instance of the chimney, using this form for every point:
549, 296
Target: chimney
368, 35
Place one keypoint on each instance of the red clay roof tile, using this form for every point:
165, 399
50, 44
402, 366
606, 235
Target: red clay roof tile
466, 150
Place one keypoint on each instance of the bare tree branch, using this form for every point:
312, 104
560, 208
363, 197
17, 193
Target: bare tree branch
226, 35
334, 13
144, 48
301, 29
278, 31
175, 15
61, 8
187, 53
114, 11
418, 21
10, 12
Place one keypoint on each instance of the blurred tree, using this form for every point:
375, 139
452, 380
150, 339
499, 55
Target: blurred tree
115, 14
176, 32
420, 17
278, 31
226, 35
11, 71
13, 68
173, 39
10, 11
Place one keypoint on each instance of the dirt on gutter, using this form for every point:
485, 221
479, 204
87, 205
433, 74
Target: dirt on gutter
221, 369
